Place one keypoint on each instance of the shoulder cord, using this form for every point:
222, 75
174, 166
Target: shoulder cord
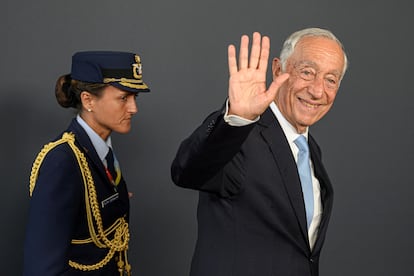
120, 240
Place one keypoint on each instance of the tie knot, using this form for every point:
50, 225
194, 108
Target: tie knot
301, 143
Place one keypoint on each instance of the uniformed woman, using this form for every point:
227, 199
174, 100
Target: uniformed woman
79, 207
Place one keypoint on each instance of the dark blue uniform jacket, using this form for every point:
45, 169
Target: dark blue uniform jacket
57, 212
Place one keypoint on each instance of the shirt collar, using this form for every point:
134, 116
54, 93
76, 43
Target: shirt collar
101, 146
290, 132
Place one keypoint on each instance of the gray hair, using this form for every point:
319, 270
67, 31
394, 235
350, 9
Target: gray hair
293, 39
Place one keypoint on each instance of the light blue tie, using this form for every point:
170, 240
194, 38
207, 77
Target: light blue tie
305, 176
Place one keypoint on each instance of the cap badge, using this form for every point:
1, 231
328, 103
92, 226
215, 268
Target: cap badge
137, 68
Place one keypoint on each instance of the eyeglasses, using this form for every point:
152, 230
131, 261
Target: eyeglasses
308, 73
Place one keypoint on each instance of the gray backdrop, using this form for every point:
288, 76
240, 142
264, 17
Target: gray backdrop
367, 138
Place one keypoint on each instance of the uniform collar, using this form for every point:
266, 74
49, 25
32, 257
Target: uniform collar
101, 146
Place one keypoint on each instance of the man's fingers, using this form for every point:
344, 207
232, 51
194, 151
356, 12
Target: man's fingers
258, 57
255, 53
264, 54
275, 85
231, 52
244, 52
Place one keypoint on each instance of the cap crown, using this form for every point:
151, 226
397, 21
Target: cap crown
120, 69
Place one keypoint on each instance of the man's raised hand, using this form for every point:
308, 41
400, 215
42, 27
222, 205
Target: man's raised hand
248, 96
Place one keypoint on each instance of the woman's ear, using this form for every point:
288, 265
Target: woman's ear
276, 68
87, 100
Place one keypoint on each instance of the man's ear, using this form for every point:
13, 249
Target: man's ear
276, 67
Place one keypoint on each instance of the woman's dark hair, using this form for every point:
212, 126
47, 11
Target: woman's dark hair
67, 91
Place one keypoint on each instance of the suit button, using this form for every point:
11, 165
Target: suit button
311, 260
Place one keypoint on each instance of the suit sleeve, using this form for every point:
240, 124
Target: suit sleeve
54, 208
209, 159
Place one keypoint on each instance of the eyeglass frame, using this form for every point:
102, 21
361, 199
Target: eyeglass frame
310, 68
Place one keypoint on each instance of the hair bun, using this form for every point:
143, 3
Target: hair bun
63, 91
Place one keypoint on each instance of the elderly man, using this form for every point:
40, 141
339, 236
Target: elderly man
265, 198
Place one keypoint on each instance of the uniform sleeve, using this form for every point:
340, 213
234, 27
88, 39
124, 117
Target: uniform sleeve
209, 159
54, 208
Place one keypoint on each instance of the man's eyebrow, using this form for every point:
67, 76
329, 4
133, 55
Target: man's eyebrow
314, 65
337, 73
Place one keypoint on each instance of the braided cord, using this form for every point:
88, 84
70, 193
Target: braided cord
99, 236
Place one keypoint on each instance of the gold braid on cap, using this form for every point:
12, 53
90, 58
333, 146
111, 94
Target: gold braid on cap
99, 236
135, 82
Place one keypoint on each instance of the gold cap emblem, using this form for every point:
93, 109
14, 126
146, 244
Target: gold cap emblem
137, 68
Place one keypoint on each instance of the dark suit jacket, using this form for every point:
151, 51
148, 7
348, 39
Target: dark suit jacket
57, 212
251, 214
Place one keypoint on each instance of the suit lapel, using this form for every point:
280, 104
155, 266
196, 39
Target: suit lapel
326, 192
279, 146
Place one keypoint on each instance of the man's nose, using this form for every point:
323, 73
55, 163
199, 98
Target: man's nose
317, 87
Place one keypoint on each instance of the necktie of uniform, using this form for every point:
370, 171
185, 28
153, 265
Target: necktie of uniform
112, 169
305, 176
